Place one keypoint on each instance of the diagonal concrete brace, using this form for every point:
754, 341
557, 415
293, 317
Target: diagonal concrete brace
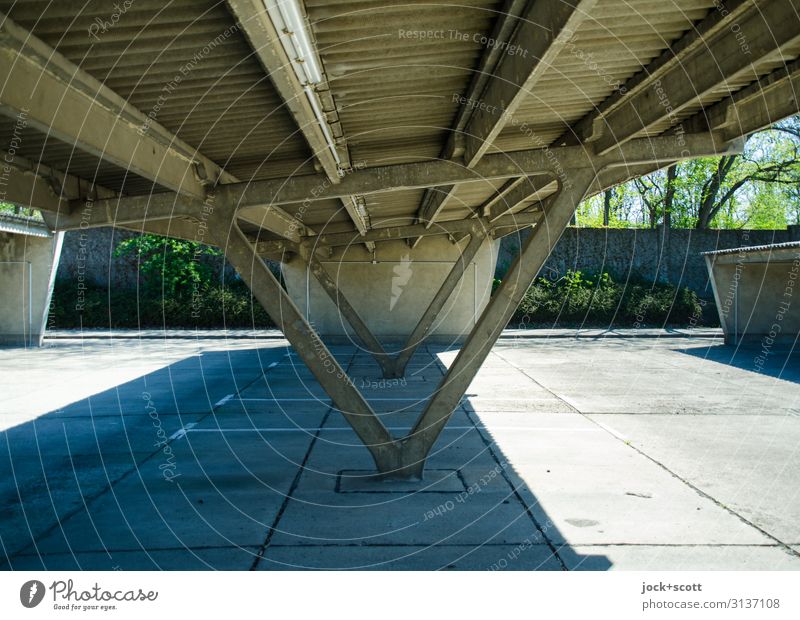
418, 443
385, 450
394, 366
404, 458
350, 314
426, 321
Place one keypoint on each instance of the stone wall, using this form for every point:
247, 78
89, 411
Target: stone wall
672, 256
92, 250
655, 255
101, 268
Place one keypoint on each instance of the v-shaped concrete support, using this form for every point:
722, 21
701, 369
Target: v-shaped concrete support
404, 457
394, 366
494, 319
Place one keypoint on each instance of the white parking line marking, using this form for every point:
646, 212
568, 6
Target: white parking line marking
224, 400
616, 434
181, 432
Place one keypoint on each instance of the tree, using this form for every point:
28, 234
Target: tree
171, 264
759, 188
732, 173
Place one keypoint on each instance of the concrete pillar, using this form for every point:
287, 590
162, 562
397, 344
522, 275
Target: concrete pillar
393, 287
27, 275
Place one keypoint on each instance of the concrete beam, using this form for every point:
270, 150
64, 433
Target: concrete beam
520, 191
63, 101
499, 233
416, 230
24, 188
158, 207
434, 203
174, 228
38, 186
277, 221
89, 213
714, 22
544, 30
767, 30
257, 26
356, 208
441, 172
265, 41
505, 24
616, 176
309, 188
434, 198
774, 97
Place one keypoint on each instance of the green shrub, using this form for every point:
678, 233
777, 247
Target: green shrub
576, 298
213, 306
600, 300
179, 287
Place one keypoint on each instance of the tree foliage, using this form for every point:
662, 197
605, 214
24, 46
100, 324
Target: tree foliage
170, 265
759, 188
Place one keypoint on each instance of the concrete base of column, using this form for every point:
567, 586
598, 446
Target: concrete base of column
392, 289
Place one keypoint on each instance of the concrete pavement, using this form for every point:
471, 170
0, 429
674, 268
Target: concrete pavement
598, 453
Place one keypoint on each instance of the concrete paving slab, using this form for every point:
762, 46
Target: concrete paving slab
226, 558
166, 515
367, 482
439, 557
748, 463
200, 454
407, 519
683, 557
75, 371
618, 376
510, 403
594, 489
35, 494
59, 461
104, 435
491, 512
288, 420
401, 420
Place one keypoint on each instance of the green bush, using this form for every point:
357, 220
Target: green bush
179, 287
600, 300
198, 301
212, 306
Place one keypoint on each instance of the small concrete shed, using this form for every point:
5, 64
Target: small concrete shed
757, 292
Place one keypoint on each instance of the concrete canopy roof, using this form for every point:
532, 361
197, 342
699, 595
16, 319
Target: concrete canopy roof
173, 98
